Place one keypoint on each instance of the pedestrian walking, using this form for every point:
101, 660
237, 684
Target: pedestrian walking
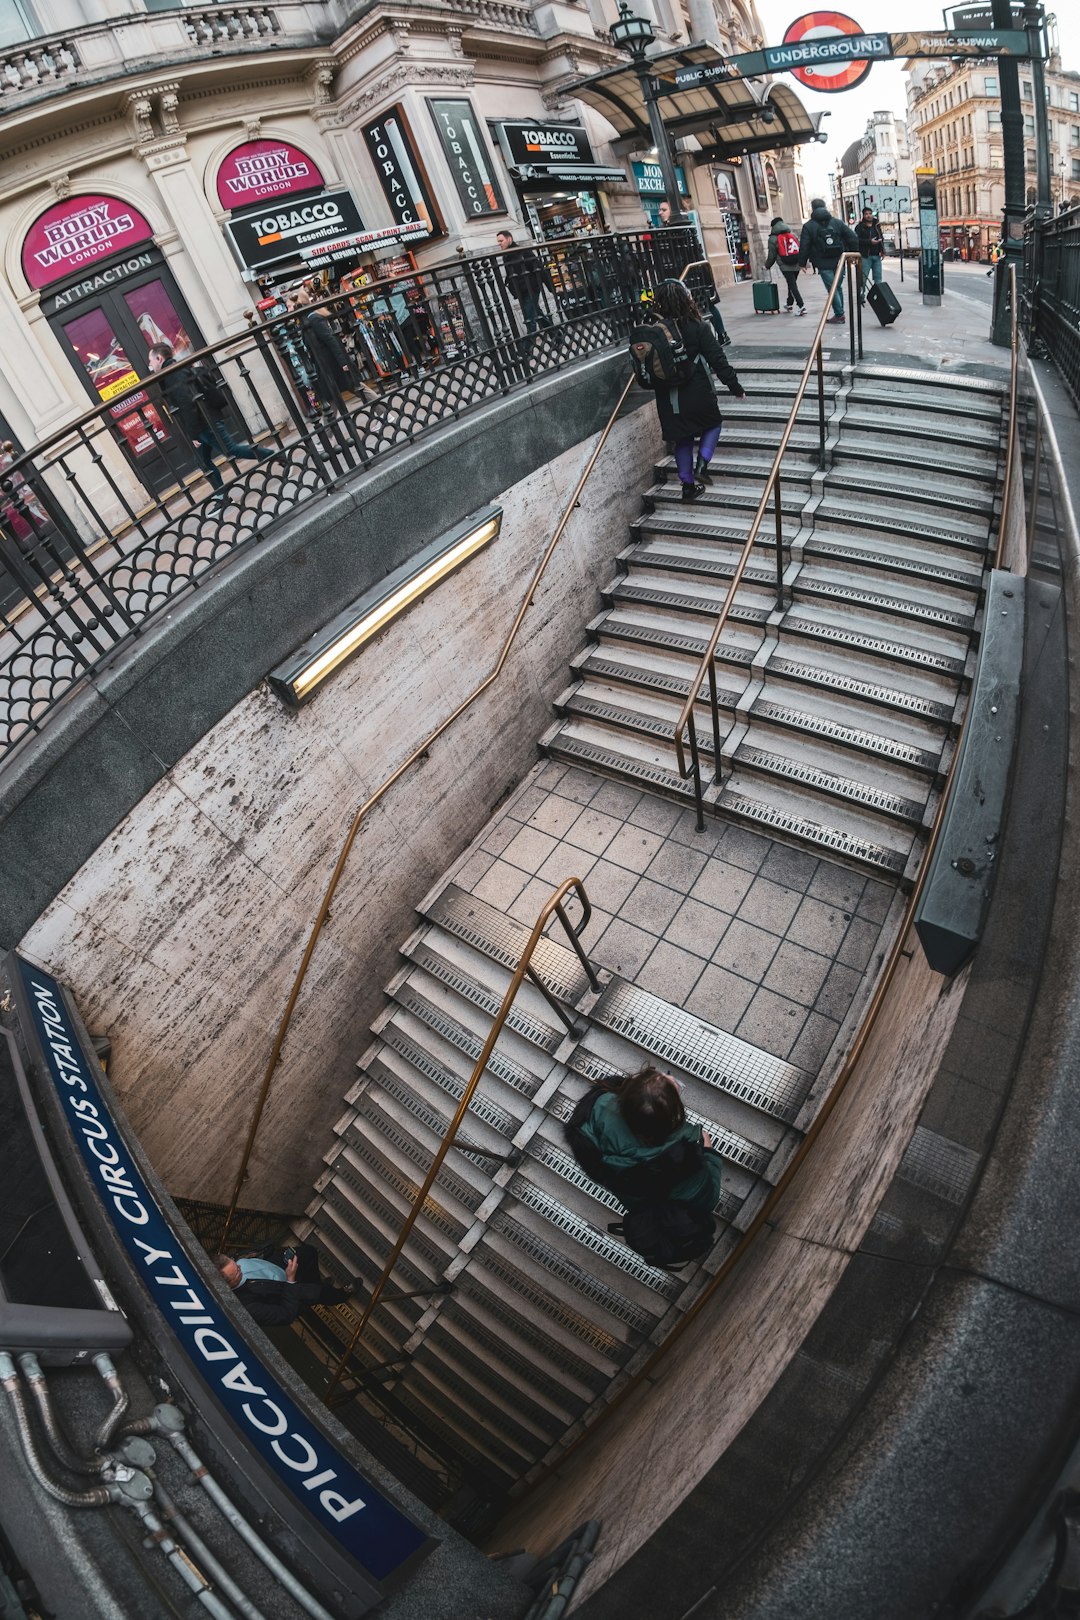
872, 247
332, 368
823, 242
784, 251
684, 348
197, 402
526, 279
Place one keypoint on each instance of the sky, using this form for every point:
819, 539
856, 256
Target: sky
885, 86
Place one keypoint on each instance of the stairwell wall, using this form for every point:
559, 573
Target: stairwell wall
182, 927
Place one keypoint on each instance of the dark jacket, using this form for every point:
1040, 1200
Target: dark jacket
773, 256
825, 239
621, 1150
525, 275
870, 240
183, 394
325, 347
688, 410
271, 1304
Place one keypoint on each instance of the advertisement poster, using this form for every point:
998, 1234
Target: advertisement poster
112, 374
260, 169
400, 172
79, 232
466, 152
155, 315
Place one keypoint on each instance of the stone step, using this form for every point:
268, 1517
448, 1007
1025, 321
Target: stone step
928, 561
923, 464
901, 690
651, 672
639, 629
942, 656
595, 750
812, 714
752, 605
809, 771
839, 837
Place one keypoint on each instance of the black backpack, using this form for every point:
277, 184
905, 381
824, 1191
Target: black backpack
658, 354
209, 385
827, 238
666, 1234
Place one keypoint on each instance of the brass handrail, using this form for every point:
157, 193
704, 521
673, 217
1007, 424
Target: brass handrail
1010, 444
707, 666
369, 804
553, 906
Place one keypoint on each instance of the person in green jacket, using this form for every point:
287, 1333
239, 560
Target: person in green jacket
642, 1123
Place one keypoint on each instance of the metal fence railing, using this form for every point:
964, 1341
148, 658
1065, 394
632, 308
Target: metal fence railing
1050, 303
106, 523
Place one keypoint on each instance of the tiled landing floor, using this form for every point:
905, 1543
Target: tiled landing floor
760, 939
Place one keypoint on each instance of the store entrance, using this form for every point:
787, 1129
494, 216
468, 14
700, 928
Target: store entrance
108, 338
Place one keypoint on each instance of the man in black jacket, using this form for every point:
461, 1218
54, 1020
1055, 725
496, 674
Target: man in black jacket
525, 279
823, 243
198, 402
275, 1290
872, 247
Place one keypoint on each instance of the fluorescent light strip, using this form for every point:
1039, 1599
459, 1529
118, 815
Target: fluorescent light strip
295, 684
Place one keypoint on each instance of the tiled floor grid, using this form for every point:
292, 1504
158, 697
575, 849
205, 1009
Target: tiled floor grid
762, 940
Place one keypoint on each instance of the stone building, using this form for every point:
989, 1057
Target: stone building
954, 125
163, 159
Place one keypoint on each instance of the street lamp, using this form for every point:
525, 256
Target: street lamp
634, 34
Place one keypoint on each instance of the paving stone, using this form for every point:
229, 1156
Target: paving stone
526, 908
791, 868
651, 905
815, 1042
593, 831
769, 906
566, 861
616, 799
819, 926
859, 943
473, 869
527, 800
655, 815
836, 886
876, 900
743, 848
720, 997
609, 885
633, 848
797, 973
549, 774
772, 1022
500, 835
554, 815
501, 885
670, 972
677, 866
722, 885
578, 785
697, 927
685, 831
623, 948
529, 849
836, 992
746, 950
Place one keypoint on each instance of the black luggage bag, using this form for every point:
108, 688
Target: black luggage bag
884, 302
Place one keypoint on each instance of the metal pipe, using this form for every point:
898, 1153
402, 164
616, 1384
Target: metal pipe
779, 516
550, 906
1010, 443
120, 1402
192, 1578
63, 1450
169, 1421
188, 1533
98, 1496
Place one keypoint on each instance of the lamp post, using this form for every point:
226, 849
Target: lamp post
635, 34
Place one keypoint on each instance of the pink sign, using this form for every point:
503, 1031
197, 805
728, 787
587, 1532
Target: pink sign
78, 232
261, 169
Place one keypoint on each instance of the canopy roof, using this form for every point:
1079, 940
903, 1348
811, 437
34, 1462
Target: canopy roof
729, 117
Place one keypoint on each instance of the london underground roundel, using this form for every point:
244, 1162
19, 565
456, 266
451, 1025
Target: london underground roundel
830, 76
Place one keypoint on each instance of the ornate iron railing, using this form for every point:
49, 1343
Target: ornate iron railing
104, 525
1050, 301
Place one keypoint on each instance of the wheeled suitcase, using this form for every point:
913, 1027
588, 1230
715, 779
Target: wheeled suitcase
766, 298
884, 302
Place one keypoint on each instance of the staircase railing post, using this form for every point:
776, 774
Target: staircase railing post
779, 520
714, 704
821, 405
695, 771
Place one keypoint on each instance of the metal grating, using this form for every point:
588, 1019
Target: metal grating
651, 679
814, 833
471, 1287
409, 1148
531, 1029
808, 585
391, 1177
652, 636
680, 602
452, 1321
938, 1165
433, 1120
891, 697
697, 1048
587, 1236
716, 567
469, 918
554, 1261
838, 787
649, 725
457, 1035
591, 754
869, 742
959, 539
474, 1392
920, 657
582, 1327
452, 1084
565, 1165
895, 563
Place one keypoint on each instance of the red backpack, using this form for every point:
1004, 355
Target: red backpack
787, 245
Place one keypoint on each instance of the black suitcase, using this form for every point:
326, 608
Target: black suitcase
884, 302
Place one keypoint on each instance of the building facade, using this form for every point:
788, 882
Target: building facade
168, 164
954, 126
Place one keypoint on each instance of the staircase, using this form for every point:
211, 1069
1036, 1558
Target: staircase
837, 720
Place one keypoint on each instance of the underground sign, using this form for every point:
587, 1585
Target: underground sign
829, 76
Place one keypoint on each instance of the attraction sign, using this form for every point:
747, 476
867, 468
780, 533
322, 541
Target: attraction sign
258, 170
77, 233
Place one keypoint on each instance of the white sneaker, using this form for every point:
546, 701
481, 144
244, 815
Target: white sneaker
801, 311
788, 308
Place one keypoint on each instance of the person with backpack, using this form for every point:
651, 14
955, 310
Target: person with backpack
638, 1143
672, 355
823, 243
784, 251
872, 247
197, 402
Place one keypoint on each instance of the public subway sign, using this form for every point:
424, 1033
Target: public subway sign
319, 1479
78, 232
260, 169
400, 171
283, 230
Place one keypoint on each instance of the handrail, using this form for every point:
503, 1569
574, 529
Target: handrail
685, 722
369, 804
553, 906
1010, 444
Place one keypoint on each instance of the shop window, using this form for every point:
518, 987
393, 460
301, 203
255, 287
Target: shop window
18, 22
990, 86
1076, 168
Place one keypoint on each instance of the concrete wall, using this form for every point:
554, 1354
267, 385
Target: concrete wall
181, 929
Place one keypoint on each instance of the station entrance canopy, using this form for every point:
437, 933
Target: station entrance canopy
737, 115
